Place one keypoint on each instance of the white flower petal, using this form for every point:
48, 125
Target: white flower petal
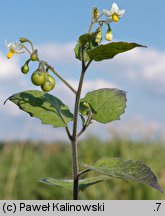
115, 8
14, 48
6, 43
107, 12
121, 13
14, 45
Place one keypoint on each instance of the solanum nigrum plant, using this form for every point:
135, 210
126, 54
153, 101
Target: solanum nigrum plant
102, 105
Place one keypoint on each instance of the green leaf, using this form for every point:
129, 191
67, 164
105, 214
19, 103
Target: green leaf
134, 171
107, 104
46, 107
87, 40
68, 183
108, 51
88, 37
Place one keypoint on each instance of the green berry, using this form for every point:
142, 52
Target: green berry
49, 84
38, 78
34, 56
52, 80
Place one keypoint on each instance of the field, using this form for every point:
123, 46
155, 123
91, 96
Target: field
22, 164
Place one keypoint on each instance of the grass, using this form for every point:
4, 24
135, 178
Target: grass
22, 164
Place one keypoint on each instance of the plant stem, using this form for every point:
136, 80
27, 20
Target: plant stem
74, 136
26, 48
90, 27
92, 23
31, 44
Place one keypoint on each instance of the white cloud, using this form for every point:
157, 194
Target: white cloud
144, 67
147, 64
8, 68
60, 53
11, 81
137, 128
94, 84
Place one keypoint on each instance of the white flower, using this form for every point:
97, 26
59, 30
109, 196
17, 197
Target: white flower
114, 14
14, 48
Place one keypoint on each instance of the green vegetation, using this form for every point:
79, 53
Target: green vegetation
23, 164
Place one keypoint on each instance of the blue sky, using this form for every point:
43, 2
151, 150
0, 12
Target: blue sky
54, 27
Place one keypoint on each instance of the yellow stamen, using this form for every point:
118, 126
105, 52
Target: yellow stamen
115, 17
10, 54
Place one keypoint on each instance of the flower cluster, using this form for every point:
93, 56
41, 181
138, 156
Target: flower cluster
14, 48
113, 15
40, 77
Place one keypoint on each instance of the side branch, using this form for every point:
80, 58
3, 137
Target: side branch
60, 77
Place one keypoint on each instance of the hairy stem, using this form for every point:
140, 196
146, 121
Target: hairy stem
74, 139
92, 23
74, 136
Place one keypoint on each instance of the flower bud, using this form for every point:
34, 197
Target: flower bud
95, 13
34, 55
109, 35
86, 105
98, 37
23, 40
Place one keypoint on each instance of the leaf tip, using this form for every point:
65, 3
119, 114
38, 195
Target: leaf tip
6, 100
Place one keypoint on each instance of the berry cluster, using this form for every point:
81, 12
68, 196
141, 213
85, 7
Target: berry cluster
41, 76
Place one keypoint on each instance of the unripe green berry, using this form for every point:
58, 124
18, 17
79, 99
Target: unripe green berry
38, 78
34, 56
49, 84
52, 80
